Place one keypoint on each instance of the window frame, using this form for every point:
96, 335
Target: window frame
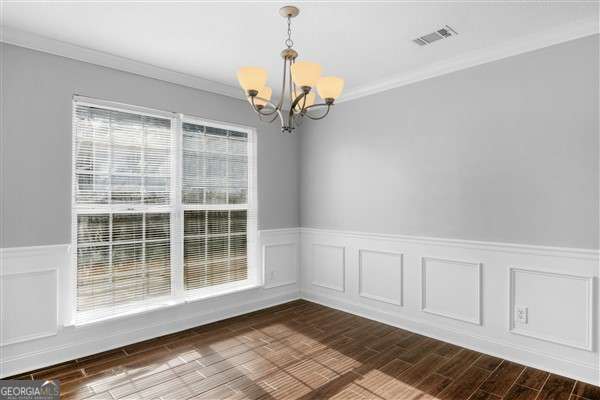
176, 209
251, 207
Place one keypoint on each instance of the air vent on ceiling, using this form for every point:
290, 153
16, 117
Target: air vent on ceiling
443, 33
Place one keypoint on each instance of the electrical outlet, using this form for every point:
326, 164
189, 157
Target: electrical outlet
522, 314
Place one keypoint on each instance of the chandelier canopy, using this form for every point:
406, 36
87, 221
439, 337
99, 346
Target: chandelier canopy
300, 78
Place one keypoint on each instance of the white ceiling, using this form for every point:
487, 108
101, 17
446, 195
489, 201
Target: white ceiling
366, 43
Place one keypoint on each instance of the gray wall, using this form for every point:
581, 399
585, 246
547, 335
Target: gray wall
37, 89
506, 151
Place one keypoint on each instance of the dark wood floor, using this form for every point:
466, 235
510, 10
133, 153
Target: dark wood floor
301, 350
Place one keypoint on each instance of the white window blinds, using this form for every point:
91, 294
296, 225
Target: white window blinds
215, 199
123, 168
163, 208
122, 158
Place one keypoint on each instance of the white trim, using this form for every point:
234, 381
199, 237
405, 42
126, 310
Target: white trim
71, 350
32, 251
122, 107
424, 308
28, 271
557, 35
585, 254
71, 301
190, 296
341, 288
33, 41
484, 344
27, 338
279, 231
177, 216
266, 285
589, 342
561, 34
382, 299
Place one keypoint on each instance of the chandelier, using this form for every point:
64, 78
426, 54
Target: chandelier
300, 78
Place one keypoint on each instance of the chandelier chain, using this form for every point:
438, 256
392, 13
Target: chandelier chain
289, 42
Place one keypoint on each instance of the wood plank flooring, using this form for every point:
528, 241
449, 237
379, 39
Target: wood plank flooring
302, 350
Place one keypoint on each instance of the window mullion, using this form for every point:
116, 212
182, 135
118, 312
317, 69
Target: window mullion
110, 217
145, 280
177, 219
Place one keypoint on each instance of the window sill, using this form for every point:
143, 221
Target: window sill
218, 291
192, 297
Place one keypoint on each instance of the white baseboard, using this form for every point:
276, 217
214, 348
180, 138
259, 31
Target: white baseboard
583, 372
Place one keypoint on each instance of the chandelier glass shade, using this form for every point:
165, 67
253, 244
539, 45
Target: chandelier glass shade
301, 82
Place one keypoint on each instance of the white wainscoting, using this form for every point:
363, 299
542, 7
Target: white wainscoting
463, 302
373, 275
465, 292
35, 304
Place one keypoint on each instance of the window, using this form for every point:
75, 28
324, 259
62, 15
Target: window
163, 208
215, 199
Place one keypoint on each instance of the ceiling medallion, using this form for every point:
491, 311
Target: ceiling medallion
300, 78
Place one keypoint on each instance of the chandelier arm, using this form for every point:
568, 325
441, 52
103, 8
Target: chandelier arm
281, 118
318, 105
301, 111
296, 101
276, 111
258, 111
300, 114
319, 117
298, 111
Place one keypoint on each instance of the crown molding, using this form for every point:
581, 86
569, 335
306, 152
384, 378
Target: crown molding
564, 33
48, 45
